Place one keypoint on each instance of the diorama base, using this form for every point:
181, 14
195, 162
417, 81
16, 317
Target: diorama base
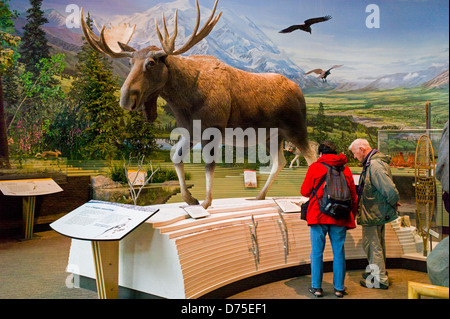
262, 279
242, 244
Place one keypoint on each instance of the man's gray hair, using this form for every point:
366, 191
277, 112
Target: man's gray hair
360, 142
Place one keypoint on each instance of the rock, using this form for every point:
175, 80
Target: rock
102, 181
105, 189
437, 264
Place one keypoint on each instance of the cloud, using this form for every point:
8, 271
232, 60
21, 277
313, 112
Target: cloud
410, 76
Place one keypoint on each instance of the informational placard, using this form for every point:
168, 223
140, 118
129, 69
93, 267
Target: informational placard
136, 180
290, 204
431, 232
98, 221
29, 187
196, 211
250, 179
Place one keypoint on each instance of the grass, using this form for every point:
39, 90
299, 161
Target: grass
404, 108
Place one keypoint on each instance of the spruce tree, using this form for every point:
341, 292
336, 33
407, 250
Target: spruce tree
34, 44
320, 125
108, 131
7, 41
93, 93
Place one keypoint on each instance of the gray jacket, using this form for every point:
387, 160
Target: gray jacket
379, 197
442, 162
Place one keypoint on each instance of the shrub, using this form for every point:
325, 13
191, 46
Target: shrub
166, 174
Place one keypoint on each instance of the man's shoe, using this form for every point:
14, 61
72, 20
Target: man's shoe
366, 274
376, 285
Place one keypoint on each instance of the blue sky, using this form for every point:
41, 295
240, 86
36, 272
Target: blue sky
413, 34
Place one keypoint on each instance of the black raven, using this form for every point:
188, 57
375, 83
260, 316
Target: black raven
307, 26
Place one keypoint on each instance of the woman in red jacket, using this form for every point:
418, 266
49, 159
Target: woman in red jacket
321, 224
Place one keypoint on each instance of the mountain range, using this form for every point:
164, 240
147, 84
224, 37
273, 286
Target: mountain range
236, 40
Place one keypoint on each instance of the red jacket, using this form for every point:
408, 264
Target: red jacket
315, 173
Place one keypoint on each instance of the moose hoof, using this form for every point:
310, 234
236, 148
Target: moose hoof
187, 197
206, 204
192, 201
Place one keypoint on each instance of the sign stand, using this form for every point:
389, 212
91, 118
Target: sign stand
28, 205
28, 189
104, 224
106, 259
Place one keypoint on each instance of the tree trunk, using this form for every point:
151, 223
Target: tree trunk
4, 152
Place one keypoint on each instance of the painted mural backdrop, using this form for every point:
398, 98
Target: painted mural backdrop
390, 57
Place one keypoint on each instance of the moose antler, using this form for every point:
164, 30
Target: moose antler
112, 41
168, 42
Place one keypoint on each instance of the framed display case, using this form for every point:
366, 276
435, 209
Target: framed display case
401, 146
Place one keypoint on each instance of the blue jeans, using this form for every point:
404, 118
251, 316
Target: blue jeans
337, 238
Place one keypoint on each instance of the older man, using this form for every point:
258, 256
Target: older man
377, 205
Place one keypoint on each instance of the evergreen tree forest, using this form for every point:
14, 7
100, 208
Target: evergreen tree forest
84, 122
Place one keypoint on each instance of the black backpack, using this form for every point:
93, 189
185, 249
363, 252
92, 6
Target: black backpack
337, 198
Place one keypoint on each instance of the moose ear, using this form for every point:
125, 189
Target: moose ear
125, 47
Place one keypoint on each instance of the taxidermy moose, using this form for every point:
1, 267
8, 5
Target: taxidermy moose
204, 88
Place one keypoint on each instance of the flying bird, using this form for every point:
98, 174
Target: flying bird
306, 26
323, 74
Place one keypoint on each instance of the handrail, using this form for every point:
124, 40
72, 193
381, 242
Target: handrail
415, 290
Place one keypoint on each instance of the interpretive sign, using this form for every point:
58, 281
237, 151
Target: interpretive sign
290, 204
29, 187
97, 221
196, 211
250, 179
137, 178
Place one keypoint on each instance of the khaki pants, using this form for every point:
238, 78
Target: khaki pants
375, 249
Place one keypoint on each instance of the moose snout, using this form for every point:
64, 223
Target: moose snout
129, 99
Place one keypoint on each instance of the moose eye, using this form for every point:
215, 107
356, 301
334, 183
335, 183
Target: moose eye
149, 64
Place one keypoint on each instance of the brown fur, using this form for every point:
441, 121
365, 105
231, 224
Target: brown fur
204, 88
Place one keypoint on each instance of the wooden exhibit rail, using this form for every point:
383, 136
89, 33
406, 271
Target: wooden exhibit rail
415, 290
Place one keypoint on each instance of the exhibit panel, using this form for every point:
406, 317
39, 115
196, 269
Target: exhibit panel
174, 256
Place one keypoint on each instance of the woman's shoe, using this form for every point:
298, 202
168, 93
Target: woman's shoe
317, 292
339, 293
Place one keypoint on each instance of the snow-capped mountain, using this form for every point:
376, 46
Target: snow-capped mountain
406, 80
235, 40
55, 18
431, 77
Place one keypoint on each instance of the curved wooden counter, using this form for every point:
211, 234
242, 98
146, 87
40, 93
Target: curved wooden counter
174, 256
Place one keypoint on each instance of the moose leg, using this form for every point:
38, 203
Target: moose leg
210, 153
293, 161
209, 171
182, 149
305, 147
279, 161
309, 153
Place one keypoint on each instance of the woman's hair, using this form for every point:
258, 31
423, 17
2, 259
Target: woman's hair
327, 147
